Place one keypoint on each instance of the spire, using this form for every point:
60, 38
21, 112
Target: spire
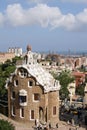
29, 48
29, 55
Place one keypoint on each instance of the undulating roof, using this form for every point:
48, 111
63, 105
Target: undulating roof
43, 77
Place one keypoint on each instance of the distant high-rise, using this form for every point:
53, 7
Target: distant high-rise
16, 50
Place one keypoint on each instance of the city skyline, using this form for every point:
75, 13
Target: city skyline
45, 25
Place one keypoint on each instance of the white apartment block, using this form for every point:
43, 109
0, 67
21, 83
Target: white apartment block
16, 50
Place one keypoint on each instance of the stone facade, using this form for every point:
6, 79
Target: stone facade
33, 94
6, 56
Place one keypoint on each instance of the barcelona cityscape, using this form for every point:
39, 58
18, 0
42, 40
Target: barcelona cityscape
43, 65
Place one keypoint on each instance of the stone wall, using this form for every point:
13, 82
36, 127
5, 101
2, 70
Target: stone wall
44, 106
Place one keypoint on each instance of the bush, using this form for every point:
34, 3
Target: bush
5, 125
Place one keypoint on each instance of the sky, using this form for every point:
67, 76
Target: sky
46, 25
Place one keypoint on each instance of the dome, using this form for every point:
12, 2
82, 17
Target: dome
28, 48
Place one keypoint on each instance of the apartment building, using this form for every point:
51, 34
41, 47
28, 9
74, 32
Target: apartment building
16, 50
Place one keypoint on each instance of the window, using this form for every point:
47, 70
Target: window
13, 95
23, 72
13, 110
16, 83
21, 112
30, 83
54, 110
36, 97
32, 114
22, 99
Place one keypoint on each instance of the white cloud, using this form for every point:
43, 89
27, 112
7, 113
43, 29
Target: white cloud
82, 17
44, 16
64, 21
15, 15
40, 14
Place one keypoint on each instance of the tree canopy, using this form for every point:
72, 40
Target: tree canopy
65, 78
80, 89
5, 70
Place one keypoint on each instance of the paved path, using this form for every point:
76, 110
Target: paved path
20, 126
62, 126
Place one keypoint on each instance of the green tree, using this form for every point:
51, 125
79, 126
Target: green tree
8, 70
15, 59
8, 61
5, 70
80, 89
65, 78
5, 125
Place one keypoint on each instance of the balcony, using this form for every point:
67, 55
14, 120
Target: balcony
23, 97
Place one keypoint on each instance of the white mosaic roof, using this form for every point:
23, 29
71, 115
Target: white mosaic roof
43, 77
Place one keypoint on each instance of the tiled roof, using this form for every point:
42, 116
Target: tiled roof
78, 74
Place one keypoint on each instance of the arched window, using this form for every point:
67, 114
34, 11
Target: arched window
30, 83
26, 59
31, 114
54, 110
13, 95
22, 112
13, 111
16, 83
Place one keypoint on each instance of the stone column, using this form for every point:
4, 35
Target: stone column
85, 96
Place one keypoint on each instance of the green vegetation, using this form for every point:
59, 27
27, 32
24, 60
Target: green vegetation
5, 125
82, 69
5, 70
80, 89
65, 78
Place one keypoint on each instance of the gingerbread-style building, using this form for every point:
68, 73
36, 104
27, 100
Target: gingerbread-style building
33, 94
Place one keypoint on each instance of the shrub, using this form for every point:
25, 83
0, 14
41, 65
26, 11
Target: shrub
5, 125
